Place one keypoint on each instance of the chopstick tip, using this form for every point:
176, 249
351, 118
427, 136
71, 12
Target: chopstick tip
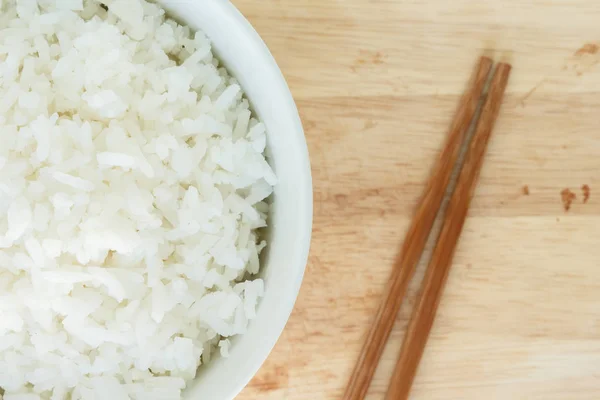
486, 60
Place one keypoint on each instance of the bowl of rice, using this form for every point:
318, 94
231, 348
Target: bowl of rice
157, 195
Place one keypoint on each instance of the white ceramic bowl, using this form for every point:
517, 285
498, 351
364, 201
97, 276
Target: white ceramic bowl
246, 56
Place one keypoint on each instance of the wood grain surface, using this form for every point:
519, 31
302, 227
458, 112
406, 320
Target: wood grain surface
376, 83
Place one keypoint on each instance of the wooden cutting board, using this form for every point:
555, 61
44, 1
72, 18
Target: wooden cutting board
376, 82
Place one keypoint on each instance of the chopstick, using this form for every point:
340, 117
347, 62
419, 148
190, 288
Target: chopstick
416, 237
441, 259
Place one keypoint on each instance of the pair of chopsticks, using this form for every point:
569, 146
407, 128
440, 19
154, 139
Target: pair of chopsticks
419, 230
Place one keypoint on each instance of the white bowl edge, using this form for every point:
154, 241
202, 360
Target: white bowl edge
247, 57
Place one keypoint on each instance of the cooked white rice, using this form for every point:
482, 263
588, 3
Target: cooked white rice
133, 180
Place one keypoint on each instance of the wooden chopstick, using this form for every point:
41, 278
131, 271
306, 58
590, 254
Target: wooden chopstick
437, 270
416, 237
